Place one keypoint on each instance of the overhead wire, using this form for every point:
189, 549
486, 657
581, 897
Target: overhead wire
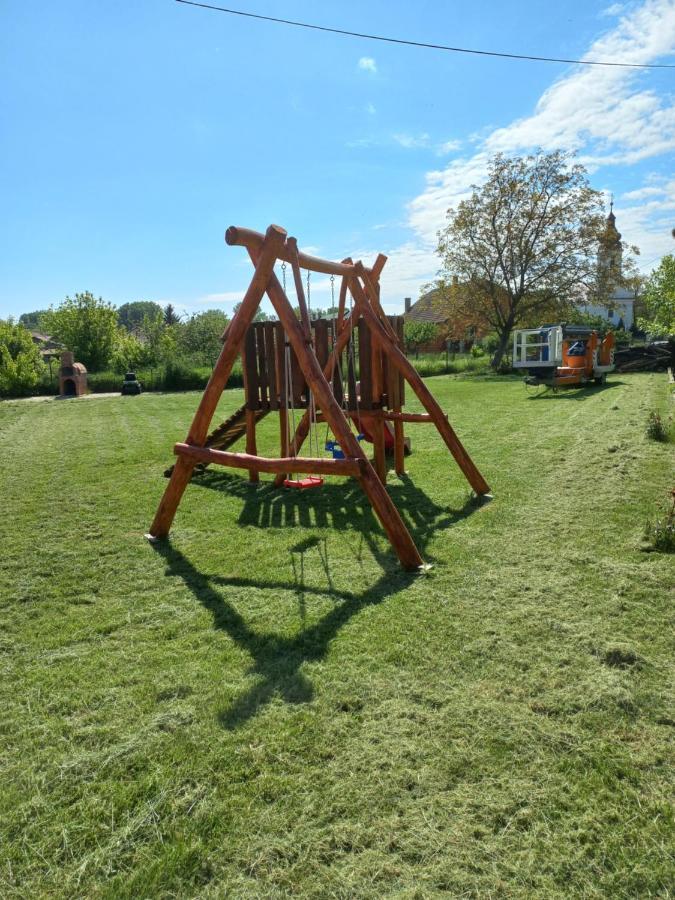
424, 45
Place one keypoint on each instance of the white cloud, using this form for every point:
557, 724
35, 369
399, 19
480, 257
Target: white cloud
370, 109
361, 142
449, 147
368, 64
642, 193
412, 141
614, 10
606, 115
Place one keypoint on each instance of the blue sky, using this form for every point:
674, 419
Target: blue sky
134, 133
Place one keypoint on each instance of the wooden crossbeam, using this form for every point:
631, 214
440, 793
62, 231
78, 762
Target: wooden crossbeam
252, 462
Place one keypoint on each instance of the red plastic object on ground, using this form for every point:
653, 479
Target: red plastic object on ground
301, 483
363, 422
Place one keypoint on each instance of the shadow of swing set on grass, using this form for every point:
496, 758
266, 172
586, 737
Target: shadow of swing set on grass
277, 660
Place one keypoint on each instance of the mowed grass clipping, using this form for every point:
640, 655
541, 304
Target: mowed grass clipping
267, 705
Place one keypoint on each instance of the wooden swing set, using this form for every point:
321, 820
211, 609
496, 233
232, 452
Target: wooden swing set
297, 364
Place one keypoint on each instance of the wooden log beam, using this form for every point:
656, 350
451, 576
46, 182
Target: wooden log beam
406, 417
344, 331
313, 466
251, 445
273, 241
398, 359
382, 504
292, 245
253, 241
342, 300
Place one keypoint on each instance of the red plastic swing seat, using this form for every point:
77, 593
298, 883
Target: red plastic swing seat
302, 483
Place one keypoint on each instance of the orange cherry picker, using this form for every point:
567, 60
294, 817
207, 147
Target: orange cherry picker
562, 355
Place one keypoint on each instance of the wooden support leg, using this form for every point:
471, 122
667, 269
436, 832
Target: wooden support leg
180, 478
379, 456
382, 503
251, 446
274, 240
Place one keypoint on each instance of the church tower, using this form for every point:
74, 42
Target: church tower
610, 253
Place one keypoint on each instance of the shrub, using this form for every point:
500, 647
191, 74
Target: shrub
477, 351
657, 429
660, 534
21, 365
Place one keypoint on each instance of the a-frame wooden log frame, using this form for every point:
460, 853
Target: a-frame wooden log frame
362, 284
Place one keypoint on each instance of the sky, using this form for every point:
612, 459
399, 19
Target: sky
132, 134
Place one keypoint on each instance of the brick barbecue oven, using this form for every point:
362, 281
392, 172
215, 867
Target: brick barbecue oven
72, 376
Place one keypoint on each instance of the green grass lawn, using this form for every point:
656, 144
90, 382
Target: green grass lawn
267, 705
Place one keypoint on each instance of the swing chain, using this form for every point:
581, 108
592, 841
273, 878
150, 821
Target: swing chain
283, 275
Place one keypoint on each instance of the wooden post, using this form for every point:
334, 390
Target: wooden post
377, 390
182, 471
395, 405
398, 359
382, 503
251, 446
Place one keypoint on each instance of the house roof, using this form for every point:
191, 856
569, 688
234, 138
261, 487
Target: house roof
431, 307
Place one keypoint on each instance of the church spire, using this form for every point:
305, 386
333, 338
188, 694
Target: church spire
609, 250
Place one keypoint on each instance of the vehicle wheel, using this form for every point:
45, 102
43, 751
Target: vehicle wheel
601, 379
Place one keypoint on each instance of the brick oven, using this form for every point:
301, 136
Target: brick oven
72, 376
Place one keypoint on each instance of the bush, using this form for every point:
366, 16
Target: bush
660, 534
657, 429
490, 342
477, 351
21, 365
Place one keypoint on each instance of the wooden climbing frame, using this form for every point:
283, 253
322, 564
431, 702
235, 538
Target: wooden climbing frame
317, 357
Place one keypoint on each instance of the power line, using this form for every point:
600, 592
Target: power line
391, 40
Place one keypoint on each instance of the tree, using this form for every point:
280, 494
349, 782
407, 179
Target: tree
417, 334
171, 317
260, 316
87, 326
658, 300
130, 315
201, 335
20, 362
32, 320
523, 243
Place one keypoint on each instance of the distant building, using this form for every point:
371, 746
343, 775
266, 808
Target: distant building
620, 307
48, 347
438, 308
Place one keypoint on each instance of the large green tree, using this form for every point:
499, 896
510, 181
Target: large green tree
86, 325
523, 243
32, 320
200, 336
131, 315
20, 362
658, 300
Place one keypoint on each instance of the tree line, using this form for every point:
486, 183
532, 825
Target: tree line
520, 250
